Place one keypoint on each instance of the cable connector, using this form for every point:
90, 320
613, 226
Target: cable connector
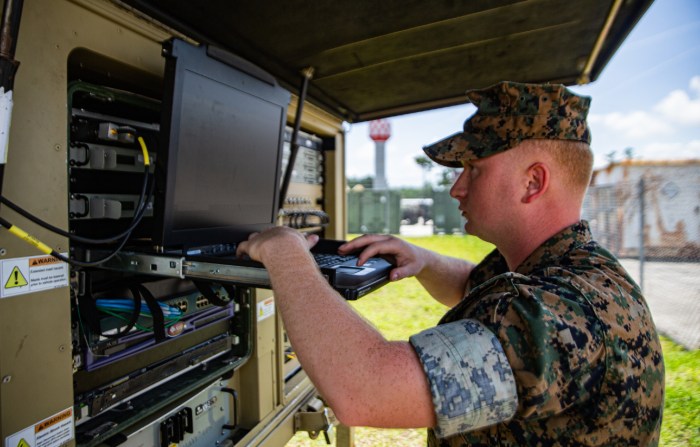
146, 160
308, 72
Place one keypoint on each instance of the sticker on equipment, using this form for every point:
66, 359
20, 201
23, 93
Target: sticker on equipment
266, 308
32, 274
51, 432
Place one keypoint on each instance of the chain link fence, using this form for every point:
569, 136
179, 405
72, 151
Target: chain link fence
648, 215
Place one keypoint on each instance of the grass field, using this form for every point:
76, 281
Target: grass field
402, 309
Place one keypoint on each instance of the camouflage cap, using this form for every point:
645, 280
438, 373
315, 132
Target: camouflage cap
510, 112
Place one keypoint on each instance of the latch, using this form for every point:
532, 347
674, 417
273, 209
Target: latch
316, 419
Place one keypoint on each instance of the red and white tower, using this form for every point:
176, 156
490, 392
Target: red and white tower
379, 131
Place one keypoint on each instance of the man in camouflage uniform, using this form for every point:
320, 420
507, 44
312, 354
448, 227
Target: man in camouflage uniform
548, 340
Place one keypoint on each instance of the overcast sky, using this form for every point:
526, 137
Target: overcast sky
646, 98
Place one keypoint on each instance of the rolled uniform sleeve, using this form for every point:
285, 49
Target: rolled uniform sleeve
470, 379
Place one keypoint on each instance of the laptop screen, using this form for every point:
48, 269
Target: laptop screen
223, 124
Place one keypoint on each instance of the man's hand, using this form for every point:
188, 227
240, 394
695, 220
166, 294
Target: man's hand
444, 278
409, 259
275, 240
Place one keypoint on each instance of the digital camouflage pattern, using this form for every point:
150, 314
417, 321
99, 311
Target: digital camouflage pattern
581, 343
470, 379
510, 112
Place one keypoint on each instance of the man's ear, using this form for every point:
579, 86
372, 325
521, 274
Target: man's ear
537, 176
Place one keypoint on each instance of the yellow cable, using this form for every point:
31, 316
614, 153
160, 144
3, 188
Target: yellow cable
146, 161
26, 237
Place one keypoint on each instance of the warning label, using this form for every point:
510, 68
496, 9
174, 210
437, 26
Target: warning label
266, 308
32, 274
51, 432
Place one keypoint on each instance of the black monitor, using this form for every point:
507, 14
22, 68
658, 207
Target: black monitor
222, 129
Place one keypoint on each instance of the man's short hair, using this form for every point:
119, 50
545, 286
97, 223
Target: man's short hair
574, 160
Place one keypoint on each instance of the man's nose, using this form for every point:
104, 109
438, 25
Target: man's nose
459, 188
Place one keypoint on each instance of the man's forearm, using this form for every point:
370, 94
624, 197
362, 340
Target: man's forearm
445, 278
365, 378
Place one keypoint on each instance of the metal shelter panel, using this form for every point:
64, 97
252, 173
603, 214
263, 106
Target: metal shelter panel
374, 59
